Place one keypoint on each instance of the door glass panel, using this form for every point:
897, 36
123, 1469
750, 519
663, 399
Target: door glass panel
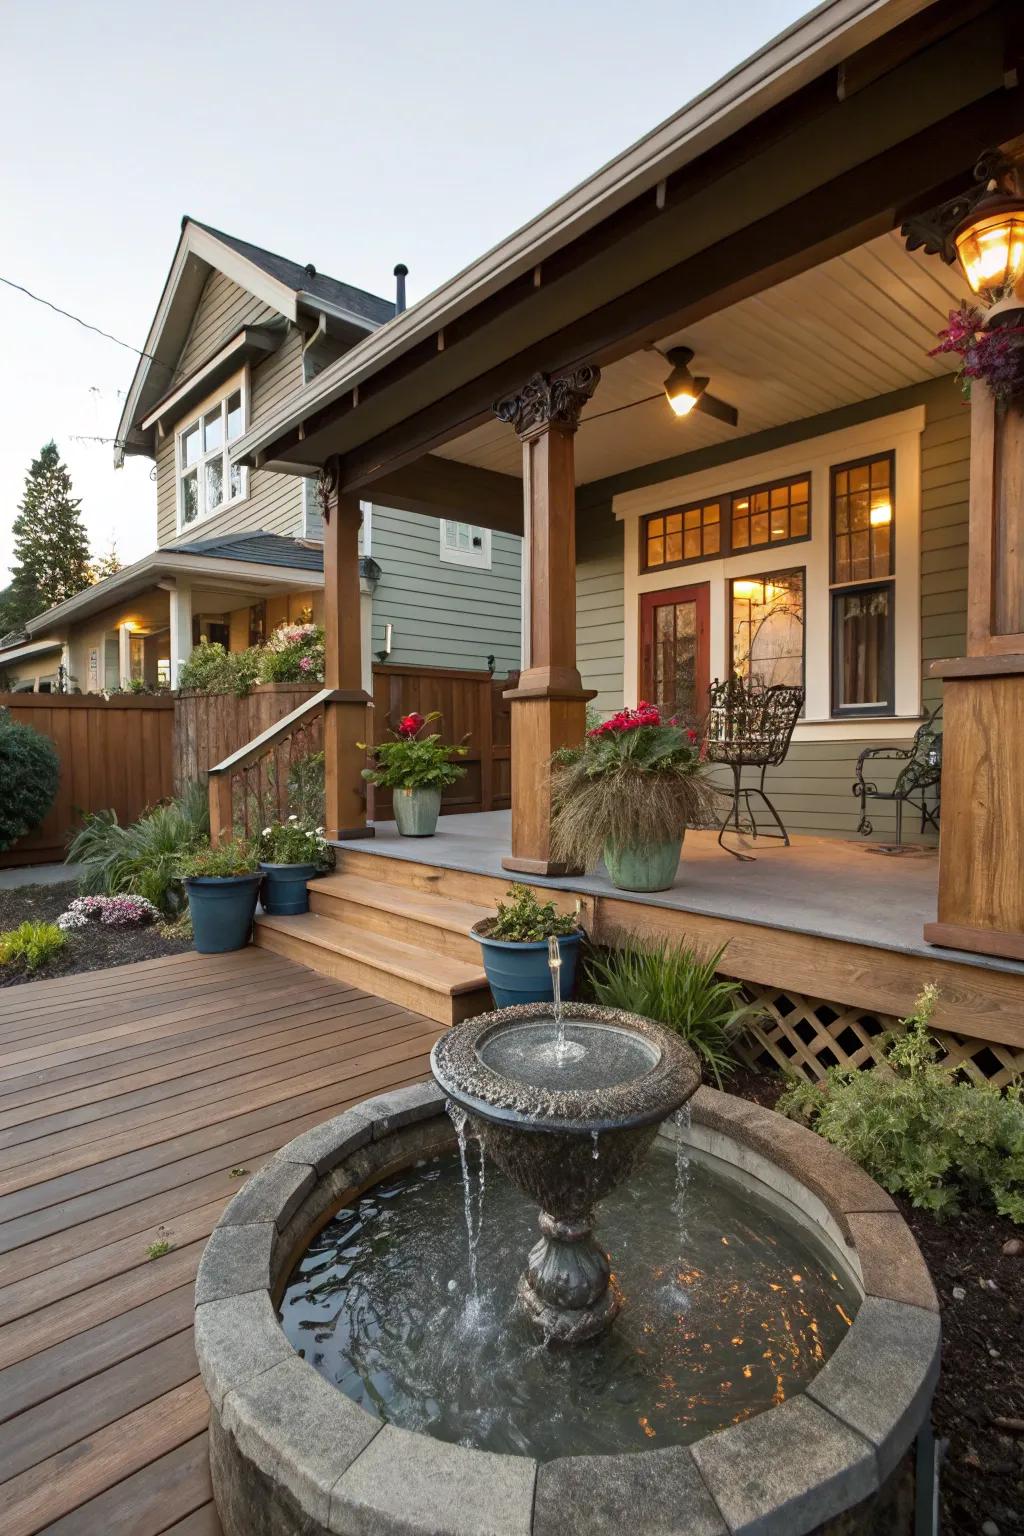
675, 660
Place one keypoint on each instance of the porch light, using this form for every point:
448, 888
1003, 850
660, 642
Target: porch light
682, 390
990, 245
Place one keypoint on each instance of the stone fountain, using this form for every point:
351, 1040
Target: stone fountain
567, 1101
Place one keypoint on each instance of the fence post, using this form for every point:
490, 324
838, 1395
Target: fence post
487, 746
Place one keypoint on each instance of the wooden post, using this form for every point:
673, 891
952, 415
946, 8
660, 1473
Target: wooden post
981, 847
549, 703
346, 715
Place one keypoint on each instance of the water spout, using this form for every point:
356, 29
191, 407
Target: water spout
565, 1050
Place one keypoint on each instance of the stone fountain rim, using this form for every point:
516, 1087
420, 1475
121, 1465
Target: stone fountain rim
291, 1451
644, 1100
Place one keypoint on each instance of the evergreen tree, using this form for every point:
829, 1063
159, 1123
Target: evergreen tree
51, 547
107, 565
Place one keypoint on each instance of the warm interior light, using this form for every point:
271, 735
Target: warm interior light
881, 515
990, 245
682, 403
749, 589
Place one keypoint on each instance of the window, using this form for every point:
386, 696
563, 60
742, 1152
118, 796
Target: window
863, 503
862, 517
681, 534
464, 544
206, 478
771, 514
767, 619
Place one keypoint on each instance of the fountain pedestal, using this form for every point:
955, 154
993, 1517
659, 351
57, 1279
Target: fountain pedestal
566, 1126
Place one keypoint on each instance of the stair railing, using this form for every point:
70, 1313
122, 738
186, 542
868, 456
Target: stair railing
258, 783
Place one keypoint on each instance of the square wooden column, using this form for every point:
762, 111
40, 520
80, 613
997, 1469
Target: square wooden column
549, 704
981, 844
346, 713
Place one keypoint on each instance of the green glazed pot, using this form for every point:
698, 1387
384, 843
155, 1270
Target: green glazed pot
416, 811
651, 868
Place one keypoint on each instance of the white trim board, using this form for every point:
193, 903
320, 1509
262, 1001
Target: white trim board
901, 433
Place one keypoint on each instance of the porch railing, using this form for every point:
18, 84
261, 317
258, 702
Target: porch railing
258, 783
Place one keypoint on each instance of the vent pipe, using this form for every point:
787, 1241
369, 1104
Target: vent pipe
401, 273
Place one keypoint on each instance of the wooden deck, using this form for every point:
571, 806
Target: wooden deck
129, 1100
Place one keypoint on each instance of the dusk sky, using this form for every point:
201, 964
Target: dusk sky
352, 136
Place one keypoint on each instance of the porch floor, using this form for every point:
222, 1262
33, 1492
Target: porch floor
127, 1099
825, 887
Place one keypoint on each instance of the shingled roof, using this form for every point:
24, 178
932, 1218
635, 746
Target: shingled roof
259, 549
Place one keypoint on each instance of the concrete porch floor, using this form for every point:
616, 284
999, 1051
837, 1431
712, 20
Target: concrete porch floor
826, 887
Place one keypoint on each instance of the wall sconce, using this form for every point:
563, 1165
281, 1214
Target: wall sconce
990, 246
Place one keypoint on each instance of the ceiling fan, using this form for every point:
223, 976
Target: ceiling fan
685, 393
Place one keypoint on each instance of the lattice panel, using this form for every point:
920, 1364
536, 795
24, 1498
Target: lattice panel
807, 1035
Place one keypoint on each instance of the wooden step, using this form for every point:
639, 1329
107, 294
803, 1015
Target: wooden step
428, 918
457, 884
439, 986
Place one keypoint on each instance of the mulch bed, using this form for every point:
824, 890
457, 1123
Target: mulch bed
979, 1403
92, 948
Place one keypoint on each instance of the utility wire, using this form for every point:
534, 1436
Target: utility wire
85, 323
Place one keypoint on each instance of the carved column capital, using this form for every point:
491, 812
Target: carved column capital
327, 485
544, 401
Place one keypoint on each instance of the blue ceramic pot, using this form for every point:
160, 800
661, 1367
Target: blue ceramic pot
651, 868
222, 909
518, 973
283, 892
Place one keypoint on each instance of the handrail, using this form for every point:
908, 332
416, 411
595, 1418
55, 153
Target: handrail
276, 732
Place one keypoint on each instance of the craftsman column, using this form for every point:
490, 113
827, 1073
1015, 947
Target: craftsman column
549, 704
346, 713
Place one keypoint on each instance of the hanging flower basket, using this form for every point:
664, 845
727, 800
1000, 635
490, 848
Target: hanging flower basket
994, 356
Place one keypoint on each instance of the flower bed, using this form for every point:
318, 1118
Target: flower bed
90, 947
115, 911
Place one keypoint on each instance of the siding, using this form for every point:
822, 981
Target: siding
812, 789
443, 615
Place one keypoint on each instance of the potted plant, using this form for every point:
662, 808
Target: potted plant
289, 855
222, 885
515, 948
627, 795
415, 768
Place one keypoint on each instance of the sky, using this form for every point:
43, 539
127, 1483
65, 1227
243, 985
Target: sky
350, 135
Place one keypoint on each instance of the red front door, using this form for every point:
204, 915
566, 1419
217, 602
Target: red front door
674, 651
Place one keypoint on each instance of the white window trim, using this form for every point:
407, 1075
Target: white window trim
478, 558
238, 384
900, 432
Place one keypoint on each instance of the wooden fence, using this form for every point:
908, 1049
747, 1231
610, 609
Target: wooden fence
115, 754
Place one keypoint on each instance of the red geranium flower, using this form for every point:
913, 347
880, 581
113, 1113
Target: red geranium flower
410, 724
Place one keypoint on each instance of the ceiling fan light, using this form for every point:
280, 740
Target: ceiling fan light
683, 401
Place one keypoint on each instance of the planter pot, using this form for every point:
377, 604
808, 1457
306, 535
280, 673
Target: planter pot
416, 811
650, 868
283, 891
518, 973
222, 911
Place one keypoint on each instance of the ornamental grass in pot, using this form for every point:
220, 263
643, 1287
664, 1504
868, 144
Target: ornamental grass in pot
289, 855
416, 768
627, 795
515, 948
222, 884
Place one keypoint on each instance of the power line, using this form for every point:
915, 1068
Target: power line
85, 323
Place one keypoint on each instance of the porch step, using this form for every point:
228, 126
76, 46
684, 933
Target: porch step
438, 985
438, 922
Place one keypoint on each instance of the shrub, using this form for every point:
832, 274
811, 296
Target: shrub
212, 669
29, 774
30, 946
633, 782
679, 987
237, 856
525, 920
918, 1127
306, 789
413, 761
142, 859
289, 842
294, 653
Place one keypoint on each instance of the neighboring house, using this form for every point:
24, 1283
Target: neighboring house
237, 331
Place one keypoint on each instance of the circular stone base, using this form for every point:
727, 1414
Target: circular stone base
561, 1325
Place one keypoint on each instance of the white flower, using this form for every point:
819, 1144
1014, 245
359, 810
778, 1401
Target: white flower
293, 818
267, 831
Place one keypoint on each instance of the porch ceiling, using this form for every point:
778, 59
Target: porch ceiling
854, 327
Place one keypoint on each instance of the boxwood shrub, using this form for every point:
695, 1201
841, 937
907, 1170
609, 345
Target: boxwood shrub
29, 775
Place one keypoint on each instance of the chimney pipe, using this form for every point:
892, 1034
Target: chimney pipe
401, 273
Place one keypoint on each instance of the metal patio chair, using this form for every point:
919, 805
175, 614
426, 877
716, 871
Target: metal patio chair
918, 783
750, 725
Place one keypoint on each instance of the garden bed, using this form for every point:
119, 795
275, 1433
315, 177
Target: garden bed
92, 948
979, 1403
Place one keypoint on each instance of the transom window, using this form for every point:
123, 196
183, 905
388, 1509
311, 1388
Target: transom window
767, 619
206, 478
682, 534
771, 514
465, 544
862, 519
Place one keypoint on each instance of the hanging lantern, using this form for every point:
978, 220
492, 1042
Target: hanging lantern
990, 245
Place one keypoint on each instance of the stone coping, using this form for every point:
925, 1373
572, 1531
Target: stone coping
290, 1453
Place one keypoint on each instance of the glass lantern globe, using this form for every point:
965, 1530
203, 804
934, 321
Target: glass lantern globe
990, 245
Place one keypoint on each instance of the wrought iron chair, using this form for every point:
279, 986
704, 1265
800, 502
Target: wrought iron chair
919, 778
750, 726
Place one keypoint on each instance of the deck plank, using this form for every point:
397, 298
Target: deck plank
127, 1097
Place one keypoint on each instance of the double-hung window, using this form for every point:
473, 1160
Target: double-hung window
863, 586
207, 480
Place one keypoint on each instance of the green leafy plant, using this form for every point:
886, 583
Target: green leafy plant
920, 1128
212, 669
632, 783
29, 775
162, 1245
143, 858
306, 789
235, 856
525, 920
679, 987
30, 946
412, 761
289, 842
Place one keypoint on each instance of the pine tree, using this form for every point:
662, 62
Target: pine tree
51, 547
107, 565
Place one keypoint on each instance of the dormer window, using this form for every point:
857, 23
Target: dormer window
207, 481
